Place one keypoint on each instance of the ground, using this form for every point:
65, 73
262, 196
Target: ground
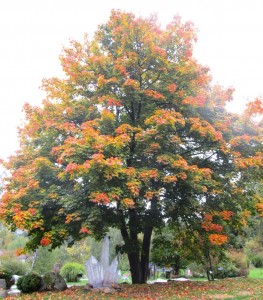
237, 288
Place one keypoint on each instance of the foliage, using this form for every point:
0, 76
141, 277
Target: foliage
79, 252
8, 276
18, 241
235, 265
167, 250
238, 258
257, 260
70, 271
254, 252
123, 262
29, 283
15, 266
132, 136
182, 245
46, 259
6, 237
197, 270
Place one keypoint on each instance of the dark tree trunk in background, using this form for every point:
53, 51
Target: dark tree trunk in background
146, 253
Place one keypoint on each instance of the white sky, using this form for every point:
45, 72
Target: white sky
33, 32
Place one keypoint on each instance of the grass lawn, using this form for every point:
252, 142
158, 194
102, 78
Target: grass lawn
81, 282
256, 273
235, 288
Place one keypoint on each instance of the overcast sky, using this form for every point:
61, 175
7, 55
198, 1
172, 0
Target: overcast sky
33, 32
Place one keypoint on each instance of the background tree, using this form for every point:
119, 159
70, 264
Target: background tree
133, 135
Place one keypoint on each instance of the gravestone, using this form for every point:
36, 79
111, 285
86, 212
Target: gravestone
103, 274
57, 267
3, 291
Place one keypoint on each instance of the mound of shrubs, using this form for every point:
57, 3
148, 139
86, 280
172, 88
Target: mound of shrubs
29, 283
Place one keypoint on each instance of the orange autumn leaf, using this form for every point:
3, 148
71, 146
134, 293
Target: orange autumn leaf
45, 241
85, 230
128, 202
218, 239
172, 87
99, 197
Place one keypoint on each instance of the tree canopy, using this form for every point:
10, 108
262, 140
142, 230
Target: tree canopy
133, 136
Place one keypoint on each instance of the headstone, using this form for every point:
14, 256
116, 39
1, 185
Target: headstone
3, 291
103, 274
56, 268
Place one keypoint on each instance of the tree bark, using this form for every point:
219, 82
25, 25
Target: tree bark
146, 253
135, 267
177, 265
139, 266
209, 269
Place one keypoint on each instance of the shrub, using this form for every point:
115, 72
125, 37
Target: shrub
254, 252
70, 271
234, 266
226, 269
257, 260
197, 270
15, 267
29, 283
8, 276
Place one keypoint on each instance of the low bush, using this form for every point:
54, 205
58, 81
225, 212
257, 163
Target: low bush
234, 266
257, 260
70, 271
29, 283
16, 267
254, 252
197, 270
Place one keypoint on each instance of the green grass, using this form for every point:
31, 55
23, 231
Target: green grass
198, 278
256, 273
77, 283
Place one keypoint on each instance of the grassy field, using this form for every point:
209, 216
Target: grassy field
237, 288
256, 273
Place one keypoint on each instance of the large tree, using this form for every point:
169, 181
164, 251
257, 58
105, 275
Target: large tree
132, 136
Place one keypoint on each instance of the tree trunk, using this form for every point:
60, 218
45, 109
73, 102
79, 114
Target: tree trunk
135, 268
140, 267
138, 258
176, 265
146, 253
209, 269
34, 260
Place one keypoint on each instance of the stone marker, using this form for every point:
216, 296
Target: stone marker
3, 291
56, 268
103, 274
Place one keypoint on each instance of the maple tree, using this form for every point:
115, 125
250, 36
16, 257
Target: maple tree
134, 134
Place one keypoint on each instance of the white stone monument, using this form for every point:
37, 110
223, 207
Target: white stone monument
103, 274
